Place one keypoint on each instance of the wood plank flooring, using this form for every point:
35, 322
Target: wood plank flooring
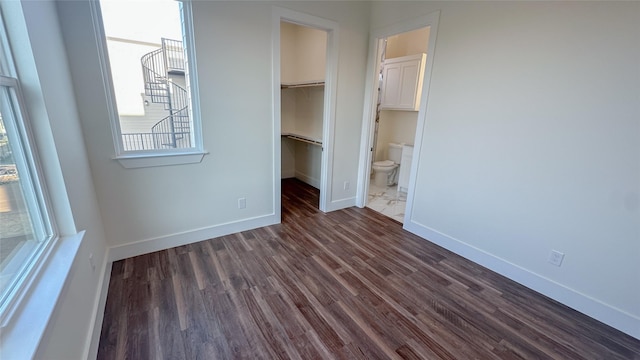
349, 284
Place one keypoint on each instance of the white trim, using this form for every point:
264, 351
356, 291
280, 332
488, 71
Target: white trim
366, 135
330, 98
341, 203
183, 238
277, 115
158, 159
373, 62
27, 160
585, 304
432, 21
6, 60
329, 115
20, 338
95, 329
105, 72
194, 86
126, 157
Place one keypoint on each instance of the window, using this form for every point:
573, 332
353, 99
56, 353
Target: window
148, 56
25, 223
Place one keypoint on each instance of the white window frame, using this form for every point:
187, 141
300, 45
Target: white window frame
28, 310
34, 191
24, 151
159, 157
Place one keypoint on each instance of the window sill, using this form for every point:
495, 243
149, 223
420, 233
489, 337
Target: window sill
21, 335
132, 161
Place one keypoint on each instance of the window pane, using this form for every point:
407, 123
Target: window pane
22, 230
149, 69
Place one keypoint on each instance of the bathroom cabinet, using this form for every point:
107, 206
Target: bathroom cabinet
405, 168
402, 82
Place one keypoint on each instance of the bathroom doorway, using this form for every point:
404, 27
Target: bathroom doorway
402, 59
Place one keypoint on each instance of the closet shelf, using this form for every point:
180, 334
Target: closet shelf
302, 138
301, 85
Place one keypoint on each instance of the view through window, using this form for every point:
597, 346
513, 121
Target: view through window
148, 62
24, 229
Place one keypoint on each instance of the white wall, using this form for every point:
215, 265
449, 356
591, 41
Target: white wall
43, 70
532, 143
233, 47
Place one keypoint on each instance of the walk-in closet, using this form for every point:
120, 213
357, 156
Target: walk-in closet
302, 69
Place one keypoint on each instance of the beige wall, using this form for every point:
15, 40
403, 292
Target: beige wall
408, 43
397, 127
302, 59
302, 53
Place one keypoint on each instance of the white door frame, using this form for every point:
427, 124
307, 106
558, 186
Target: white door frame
328, 116
371, 98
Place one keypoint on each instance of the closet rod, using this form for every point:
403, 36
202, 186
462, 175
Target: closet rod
305, 140
291, 86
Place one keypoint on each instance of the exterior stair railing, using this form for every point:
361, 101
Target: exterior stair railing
174, 130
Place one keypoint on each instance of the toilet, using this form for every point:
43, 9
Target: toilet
385, 172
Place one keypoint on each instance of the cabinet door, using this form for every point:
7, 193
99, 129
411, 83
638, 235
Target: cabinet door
402, 83
391, 76
408, 85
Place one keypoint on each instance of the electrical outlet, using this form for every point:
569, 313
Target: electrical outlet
346, 185
242, 203
555, 257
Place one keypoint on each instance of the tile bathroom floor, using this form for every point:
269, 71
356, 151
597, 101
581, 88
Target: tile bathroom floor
387, 200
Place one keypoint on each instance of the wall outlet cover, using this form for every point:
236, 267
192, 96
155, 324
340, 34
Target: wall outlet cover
555, 257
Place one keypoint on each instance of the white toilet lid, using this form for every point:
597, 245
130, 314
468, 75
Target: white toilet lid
384, 163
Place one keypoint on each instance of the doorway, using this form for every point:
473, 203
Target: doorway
302, 72
399, 66
402, 58
304, 78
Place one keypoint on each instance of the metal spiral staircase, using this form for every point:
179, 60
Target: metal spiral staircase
174, 130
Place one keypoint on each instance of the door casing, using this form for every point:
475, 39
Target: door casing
329, 106
371, 97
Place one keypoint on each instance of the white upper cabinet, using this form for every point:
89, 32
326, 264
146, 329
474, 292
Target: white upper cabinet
402, 82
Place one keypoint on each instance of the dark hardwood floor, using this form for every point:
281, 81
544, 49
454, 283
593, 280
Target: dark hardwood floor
349, 284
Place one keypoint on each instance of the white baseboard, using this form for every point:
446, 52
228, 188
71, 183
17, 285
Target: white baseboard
91, 348
589, 306
341, 204
308, 179
165, 242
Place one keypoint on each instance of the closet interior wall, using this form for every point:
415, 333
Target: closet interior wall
303, 66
